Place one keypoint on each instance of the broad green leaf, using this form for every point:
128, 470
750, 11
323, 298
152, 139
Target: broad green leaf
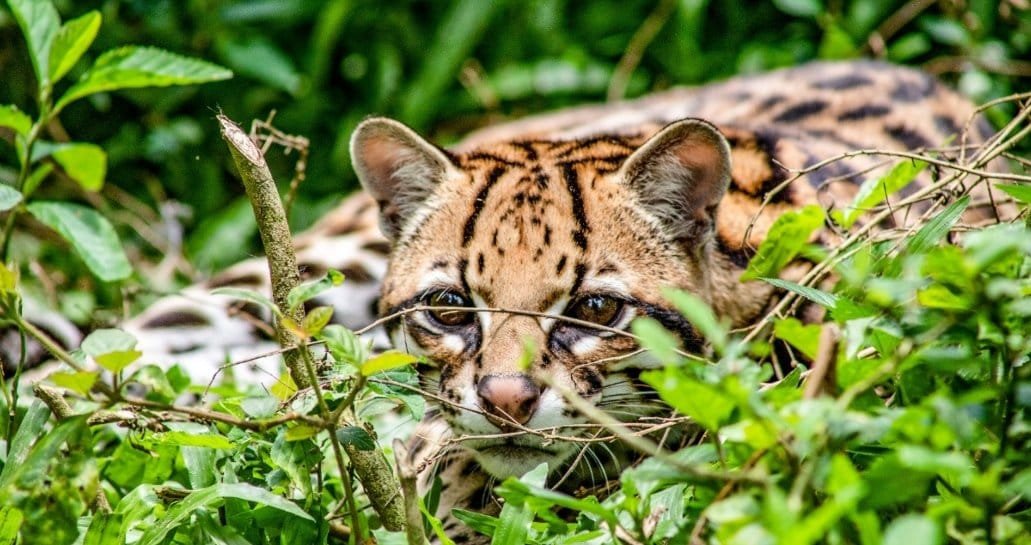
912, 529
133, 67
104, 529
513, 524
800, 8
788, 235
1021, 192
390, 359
84, 163
344, 345
33, 470
8, 280
937, 228
29, 429
259, 407
354, 435
819, 297
702, 402
656, 339
212, 497
89, 233
77, 381
301, 431
71, 41
804, 337
10, 521
13, 118
9, 197
875, 190
185, 439
700, 315
39, 24
307, 290
316, 319
250, 296
106, 341
116, 361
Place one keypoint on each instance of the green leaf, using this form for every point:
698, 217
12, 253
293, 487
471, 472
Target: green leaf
804, 337
116, 361
301, 431
788, 235
513, 524
212, 497
70, 42
700, 314
32, 471
1021, 192
354, 435
84, 163
656, 339
106, 341
250, 296
819, 297
259, 57
77, 381
875, 190
912, 529
306, 291
104, 529
29, 429
13, 118
344, 345
133, 67
9, 197
89, 233
185, 439
39, 24
316, 319
390, 359
37, 176
800, 8
10, 521
702, 402
937, 228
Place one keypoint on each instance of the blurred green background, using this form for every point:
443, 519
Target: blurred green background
443, 67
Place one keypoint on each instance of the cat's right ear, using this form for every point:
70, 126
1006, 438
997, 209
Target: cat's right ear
399, 169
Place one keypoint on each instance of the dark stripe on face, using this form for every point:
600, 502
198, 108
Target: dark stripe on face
738, 256
864, 111
800, 111
848, 81
484, 156
579, 215
481, 199
528, 148
673, 321
588, 142
909, 138
578, 278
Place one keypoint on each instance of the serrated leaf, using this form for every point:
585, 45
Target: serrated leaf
13, 118
116, 361
134, 66
307, 290
804, 337
1021, 192
390, 359
84, 163
105, 341
185, 439
39, 24
875, 190
70, 42
817, 296
92, 236
356, 436
10, 522
9, 197
211, 497
77, 381
788, 235
104, 529
316, 319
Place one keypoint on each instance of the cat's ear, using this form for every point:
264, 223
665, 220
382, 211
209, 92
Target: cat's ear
679, 176
399, 169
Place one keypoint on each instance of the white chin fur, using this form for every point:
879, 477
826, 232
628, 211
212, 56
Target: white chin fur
505, 461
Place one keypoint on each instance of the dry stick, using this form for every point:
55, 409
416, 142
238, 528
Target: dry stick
53, 399
371, 467
635, 49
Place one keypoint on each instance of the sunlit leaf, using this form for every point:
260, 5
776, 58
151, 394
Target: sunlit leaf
10, 522
133, 66
104, 529
875, 190
788, 235
702, 402
93, 238
9, 197
13, 118
656, 339
39, 24
911, 529
106, 341
306, 291
391, 359
804, 337
84, 163
185, 439
79, 382
1021, 192
70, 42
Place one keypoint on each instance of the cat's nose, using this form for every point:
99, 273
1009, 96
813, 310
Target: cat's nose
510, 397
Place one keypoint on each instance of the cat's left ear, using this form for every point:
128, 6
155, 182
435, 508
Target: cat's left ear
679, 176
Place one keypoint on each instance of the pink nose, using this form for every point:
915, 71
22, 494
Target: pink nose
510, 397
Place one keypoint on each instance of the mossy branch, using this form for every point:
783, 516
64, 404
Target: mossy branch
371, 467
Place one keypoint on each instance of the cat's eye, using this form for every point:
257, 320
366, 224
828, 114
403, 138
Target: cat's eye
449, 318
597, 309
